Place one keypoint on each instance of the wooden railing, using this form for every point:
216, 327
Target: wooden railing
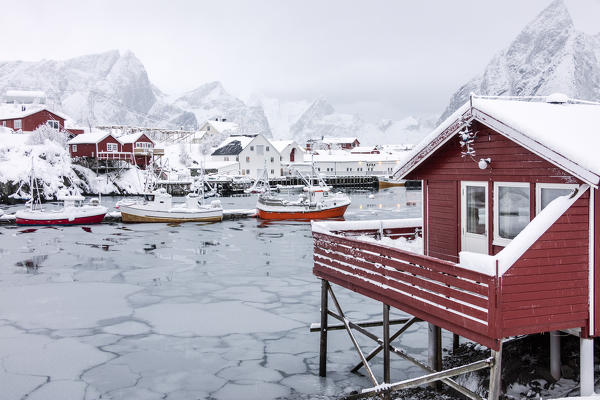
437, 291
115, 155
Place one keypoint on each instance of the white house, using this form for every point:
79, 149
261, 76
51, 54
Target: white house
289, 151
341, 162
219, 126
254, 153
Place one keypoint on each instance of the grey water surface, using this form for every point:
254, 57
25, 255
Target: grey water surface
190, 311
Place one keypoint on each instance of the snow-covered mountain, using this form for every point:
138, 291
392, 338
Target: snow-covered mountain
105, 88
210, 101
113, 88
549, 55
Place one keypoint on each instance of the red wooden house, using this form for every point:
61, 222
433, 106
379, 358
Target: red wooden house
140, 145
98, 145
27, 117
511, 234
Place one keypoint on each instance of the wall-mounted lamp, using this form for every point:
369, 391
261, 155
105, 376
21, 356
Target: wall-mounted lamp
484, 163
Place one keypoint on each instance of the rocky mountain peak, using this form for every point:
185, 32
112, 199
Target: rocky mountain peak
549, 55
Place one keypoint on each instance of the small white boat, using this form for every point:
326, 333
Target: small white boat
74, 212
158, 207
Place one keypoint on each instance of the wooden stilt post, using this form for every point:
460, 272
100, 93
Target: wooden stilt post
435, 350
495, 375
386, 343
555, 354
586, 366
455, 342
323, 344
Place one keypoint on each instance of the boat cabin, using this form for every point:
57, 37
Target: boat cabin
510, 229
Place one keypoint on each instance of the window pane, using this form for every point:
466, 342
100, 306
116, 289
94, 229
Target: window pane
476, 210
513, 210
550, 194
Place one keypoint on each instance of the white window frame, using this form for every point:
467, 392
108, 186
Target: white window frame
540, 186
111, 146
74, 148
53, 124
497, 240
18, 124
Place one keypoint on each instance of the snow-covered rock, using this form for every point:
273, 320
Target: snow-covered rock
211, 101
549, 55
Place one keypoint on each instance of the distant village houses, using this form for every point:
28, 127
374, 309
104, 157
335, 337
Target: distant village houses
25, 111
344, 143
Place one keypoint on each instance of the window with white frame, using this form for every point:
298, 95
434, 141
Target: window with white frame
511, 210
18, 124
112, 147
260, 149
53, 124
74, 148
546, 192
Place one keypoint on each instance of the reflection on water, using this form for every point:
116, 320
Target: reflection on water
191, 310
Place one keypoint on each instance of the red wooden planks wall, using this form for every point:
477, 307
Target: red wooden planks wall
446, 168
547, 288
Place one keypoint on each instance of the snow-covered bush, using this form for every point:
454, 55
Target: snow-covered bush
45, 132
184, 156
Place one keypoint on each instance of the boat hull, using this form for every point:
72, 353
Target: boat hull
87, 220
386, 183
334, 212
132, 214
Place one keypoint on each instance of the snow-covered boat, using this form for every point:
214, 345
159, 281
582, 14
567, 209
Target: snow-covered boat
73, 212
317, 202
158, 207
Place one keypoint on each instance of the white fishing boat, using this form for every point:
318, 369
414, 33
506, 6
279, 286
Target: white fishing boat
73, 212
158, 207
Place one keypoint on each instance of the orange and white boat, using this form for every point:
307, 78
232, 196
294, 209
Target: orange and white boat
317, 202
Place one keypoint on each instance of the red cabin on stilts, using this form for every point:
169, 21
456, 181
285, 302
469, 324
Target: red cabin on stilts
511, 227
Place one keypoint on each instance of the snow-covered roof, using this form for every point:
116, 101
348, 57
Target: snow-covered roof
222, 126
25, 93
281, 144
211, 164
359, 149
131, 138
565, 134
12, 111
233, 145
334, 140
90, 137
344, 156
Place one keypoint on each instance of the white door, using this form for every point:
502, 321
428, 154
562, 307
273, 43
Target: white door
474, 217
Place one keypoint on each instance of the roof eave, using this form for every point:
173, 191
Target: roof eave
538, 148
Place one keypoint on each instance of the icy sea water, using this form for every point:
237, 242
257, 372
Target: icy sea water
191, 311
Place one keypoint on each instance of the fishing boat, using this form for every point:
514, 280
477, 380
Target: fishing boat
158, 206
385, 182
73, 212
316, 202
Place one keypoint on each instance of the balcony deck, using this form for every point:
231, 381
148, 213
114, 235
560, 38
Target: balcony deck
537, 283
441, 292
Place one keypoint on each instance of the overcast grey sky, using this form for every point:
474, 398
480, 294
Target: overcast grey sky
377, 57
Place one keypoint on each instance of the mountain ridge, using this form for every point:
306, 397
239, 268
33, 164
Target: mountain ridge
549, 55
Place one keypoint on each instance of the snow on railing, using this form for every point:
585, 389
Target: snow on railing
501, 262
